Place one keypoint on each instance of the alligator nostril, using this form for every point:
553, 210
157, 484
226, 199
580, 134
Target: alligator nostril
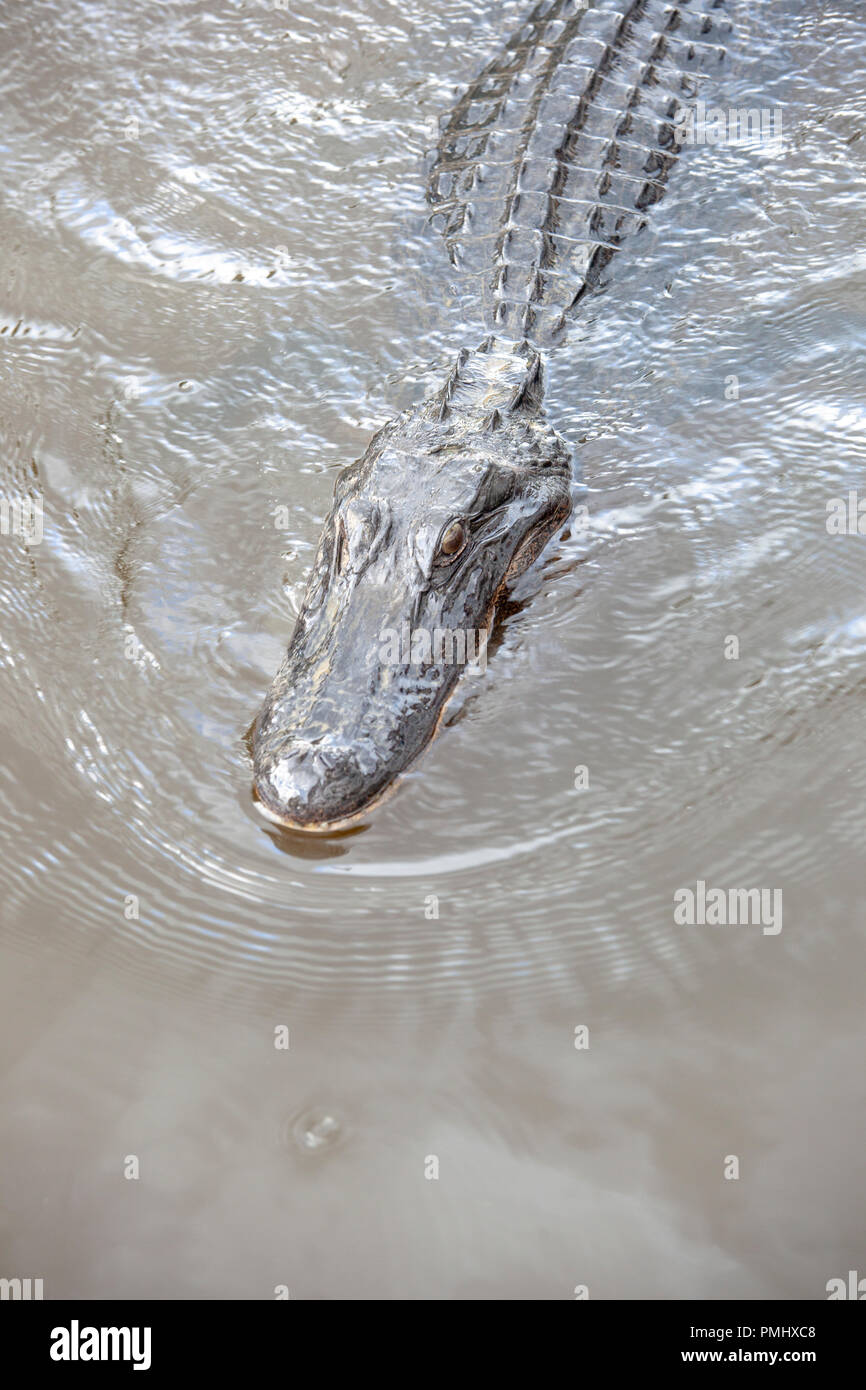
312, 783
330, 757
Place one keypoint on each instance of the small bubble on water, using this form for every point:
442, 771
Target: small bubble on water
316, 1130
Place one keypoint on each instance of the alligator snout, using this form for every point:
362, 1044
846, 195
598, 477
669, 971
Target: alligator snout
318, 783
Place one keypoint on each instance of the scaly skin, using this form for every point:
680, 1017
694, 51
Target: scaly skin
340, 724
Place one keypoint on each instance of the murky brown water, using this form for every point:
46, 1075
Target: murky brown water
216, 282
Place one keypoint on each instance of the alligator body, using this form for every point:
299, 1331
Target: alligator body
544, 167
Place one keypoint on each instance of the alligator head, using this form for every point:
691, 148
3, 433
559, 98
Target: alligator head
451, 500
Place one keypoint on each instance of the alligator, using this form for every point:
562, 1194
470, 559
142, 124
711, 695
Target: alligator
545, 166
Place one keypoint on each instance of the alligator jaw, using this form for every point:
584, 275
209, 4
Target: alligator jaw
331, 827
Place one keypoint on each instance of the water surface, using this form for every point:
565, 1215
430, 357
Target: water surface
216, 283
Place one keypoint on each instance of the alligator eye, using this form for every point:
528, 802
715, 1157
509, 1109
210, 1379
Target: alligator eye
453, 539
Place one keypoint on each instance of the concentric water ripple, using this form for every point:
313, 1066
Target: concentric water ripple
246, 270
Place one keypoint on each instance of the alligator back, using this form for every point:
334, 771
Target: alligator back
550, 159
